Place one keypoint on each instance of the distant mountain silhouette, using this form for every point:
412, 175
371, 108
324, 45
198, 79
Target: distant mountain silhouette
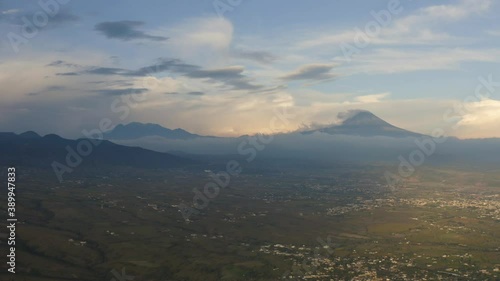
365, 124
33, 150
29, 135
137, 130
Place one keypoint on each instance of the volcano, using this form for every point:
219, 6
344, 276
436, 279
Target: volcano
366, 124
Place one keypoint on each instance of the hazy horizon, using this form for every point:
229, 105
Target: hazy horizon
250, 140
223, 70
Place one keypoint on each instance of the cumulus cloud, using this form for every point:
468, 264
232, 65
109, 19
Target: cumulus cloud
480, 119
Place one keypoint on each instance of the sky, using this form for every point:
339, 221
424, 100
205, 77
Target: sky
227, 67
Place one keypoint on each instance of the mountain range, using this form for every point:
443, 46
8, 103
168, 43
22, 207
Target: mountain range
31, 149
359, 137
359, 123
137, 130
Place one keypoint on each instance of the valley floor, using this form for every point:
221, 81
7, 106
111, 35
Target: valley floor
338, 224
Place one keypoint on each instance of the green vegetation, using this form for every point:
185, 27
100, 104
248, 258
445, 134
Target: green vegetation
439, 225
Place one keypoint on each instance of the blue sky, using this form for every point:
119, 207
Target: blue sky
227, 65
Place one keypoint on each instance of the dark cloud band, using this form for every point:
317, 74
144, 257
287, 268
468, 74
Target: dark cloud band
125, 30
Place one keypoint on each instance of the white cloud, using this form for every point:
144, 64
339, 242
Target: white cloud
396, 60
372, 98
209, 42
480, 120
229, 113
10, 12
312, 72
454, 12
415, 29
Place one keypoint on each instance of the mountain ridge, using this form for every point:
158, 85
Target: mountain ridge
31, 149
136, 130
354, 122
